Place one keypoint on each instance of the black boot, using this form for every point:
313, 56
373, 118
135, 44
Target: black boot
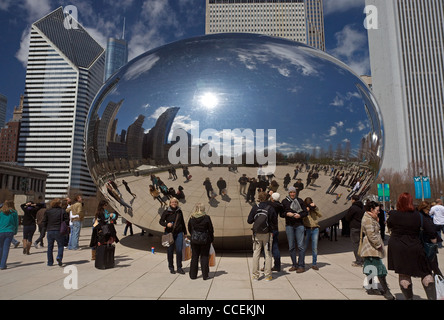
408, 293
430, 291
385, 289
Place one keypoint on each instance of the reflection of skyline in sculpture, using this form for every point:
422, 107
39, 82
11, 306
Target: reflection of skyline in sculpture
156, 140
230, 85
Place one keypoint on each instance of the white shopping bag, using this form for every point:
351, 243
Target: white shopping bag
439, 284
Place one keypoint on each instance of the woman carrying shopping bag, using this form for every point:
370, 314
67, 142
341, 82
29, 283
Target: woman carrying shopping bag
202, 235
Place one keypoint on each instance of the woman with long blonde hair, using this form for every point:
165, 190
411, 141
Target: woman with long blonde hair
202, 235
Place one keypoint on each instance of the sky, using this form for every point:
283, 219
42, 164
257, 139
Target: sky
152, 23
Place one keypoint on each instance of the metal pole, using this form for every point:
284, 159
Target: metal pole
383, 194
422, 185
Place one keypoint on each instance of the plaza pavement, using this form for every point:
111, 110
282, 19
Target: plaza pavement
139, 274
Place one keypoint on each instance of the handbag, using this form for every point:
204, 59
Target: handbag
199, 237
167, 238
439, 285
64, 228
430, 249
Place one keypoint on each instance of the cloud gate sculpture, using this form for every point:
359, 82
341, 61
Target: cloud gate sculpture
220, 107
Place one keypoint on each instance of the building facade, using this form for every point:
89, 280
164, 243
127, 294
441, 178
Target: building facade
116, 56
9, 136
297, 20
407, 66
65, 70
3, 108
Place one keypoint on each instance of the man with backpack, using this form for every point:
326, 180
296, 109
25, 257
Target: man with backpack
263, 218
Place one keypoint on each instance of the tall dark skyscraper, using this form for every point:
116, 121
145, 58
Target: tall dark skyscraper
116, 54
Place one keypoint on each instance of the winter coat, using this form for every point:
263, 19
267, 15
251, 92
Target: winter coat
354, 215
371, 241
405, 254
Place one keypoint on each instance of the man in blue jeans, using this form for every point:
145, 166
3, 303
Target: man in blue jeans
294, 211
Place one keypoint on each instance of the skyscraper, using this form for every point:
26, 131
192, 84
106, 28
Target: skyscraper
3, 106
64, 72
297, 20
116, 56
407, 66
9, 136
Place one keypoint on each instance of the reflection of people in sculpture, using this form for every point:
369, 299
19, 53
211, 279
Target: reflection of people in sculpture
208, 188
251, 190
156, 195
243, 184
180, 195
299, 186
274, 186
128, 188
117, 196
114, 186
173, 173
222, 185
186, 173
287, 180
355, 189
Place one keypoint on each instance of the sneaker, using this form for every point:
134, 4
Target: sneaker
292, 268
269, 278
60, 262
36, 245
276, 269
172, 271
255, 278
314, 267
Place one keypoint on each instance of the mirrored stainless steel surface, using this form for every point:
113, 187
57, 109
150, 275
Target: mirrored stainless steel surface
221, 106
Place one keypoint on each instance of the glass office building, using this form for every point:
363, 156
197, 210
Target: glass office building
116, 56
65, 70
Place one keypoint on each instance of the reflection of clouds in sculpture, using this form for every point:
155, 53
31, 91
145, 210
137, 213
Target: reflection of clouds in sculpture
222, 100
140, 67
254, 58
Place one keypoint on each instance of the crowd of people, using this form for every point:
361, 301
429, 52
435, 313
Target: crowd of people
410, 228
49, 218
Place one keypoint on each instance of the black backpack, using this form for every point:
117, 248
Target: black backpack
260, 224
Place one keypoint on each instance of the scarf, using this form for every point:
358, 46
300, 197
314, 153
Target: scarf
295, 204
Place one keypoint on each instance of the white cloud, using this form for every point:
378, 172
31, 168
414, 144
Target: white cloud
335, 6
333, 132
352, 49
22, 53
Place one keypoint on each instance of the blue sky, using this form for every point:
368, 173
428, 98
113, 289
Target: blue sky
151, 23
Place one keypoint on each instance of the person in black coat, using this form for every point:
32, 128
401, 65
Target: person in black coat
221, 184
202, 235
294, 211
51, 224
208, 187
279, 209
29, 223
354, 216
172, 220
406, 255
